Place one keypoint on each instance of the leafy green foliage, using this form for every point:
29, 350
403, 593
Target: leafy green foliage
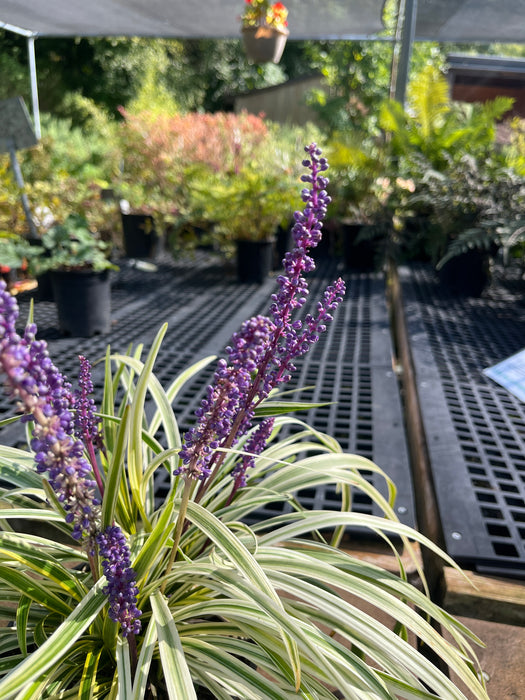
357, 74
487, 200
70, 246
435, 127
197, 74
356, 162
14, 250
249, 205
85, 155
14, 80
473, 203
212, 172
12, 216
64, 174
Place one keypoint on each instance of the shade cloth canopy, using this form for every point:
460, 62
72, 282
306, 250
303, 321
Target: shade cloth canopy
473, 21
308, 19
441, 20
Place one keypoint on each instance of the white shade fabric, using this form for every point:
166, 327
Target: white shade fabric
308, 19
441, 20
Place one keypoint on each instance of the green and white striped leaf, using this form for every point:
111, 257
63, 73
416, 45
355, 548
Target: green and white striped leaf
89, 674
38, 592
114, 473
278, 408
22, 615
176, 672
125, 689
244, 562
164, 416
146, 380
156, 541
149, 642
12, 548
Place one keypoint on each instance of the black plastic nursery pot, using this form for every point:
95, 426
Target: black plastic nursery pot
329, 247
254, 261
83, 300
416, 232
468, 274
140, 236
284, 242
358, 254
45, 287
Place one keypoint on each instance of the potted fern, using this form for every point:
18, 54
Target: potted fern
488, 200
448, 144
475, 207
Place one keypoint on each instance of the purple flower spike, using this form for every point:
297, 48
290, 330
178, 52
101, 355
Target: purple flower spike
121, 588
261, 355
45, 397
86, 424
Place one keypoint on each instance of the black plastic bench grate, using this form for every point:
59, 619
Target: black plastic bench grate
475, 428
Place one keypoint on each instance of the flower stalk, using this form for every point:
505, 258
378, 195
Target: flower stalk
179, 526
261, 355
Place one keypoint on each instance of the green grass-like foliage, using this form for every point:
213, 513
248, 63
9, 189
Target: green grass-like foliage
272, 611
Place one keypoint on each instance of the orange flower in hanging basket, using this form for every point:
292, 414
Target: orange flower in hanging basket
264, 30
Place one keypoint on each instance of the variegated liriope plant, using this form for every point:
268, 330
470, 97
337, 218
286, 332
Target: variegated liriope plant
130, 600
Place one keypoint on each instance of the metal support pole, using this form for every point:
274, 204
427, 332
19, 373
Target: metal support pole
34, 85
20, 182
401, 63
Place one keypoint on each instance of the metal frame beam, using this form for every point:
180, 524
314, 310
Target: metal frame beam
30, 36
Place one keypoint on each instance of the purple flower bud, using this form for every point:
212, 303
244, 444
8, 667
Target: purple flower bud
255, 445
86, 425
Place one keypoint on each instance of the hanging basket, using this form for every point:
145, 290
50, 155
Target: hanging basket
264, 44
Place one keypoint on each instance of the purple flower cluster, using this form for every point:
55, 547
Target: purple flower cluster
121, 588
45, 398
261, 355
225, 398
254, 446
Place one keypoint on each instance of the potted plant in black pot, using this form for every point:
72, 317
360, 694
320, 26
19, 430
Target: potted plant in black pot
139, 229
79, 266
476, 208
247, 209
362, 208
497, 204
